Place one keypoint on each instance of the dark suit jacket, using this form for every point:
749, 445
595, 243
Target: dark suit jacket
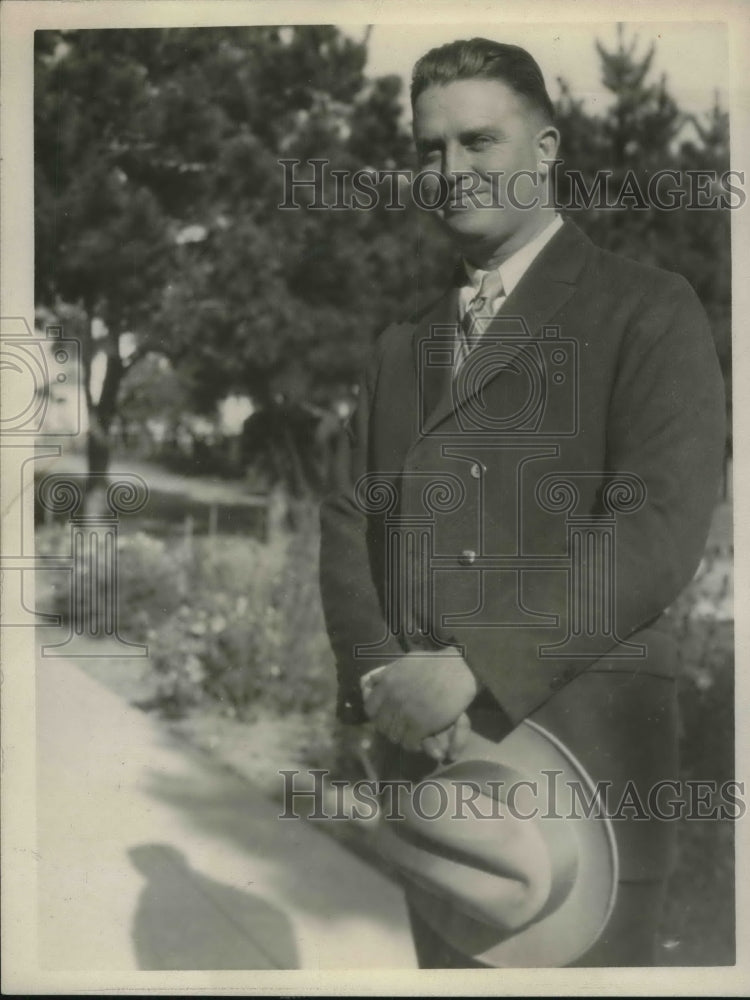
630, 384
597, 368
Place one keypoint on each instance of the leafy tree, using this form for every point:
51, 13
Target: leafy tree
101, 240
157, 186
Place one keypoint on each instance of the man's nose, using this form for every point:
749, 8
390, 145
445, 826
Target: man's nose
456, 161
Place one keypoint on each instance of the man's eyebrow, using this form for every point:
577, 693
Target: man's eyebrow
474, 130
468, 132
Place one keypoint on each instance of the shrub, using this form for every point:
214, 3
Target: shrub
250, 628
227, 618
152, 580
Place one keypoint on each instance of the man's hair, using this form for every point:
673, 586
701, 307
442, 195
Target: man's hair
479, 58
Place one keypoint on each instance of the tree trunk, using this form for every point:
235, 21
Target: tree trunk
98, 451
99, 444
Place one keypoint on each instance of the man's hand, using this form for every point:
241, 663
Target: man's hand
420, 695
448, 744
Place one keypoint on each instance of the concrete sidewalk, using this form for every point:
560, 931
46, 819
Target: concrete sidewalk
152, 856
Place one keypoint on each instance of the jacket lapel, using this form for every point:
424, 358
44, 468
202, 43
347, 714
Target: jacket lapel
547, 285
434, 346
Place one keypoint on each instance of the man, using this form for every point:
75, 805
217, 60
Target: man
535, 460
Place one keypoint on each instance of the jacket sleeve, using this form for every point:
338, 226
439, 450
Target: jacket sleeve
351, 604
665, 426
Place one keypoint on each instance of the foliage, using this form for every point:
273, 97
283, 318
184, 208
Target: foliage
152, 579
227, 619
698, 922
157, 185
642, 132
250, 632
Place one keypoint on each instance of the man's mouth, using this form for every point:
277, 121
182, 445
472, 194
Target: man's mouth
474, 200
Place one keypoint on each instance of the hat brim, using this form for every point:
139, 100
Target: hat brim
505, 890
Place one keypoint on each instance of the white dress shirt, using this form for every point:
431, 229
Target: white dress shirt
511, 270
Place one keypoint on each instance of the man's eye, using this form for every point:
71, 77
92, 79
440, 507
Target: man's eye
429, 155
479, 142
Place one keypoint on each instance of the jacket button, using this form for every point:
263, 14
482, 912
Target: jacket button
467, 557
476, 470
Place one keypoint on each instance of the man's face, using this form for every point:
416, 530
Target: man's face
478, 128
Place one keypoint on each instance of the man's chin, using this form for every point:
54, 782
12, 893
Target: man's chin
469, 226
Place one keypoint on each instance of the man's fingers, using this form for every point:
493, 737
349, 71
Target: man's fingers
372, 679
450, 742
437, 746
374, 699
459, 735
433, 747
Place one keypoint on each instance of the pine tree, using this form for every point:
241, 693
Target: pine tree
644, 131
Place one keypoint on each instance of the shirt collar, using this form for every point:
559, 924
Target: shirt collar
514, 268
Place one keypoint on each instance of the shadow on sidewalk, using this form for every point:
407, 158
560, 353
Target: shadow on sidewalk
311, 870
185, 920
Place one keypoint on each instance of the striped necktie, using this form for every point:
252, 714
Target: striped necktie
478, 313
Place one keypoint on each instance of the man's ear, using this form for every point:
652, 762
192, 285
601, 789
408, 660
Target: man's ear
547, 142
